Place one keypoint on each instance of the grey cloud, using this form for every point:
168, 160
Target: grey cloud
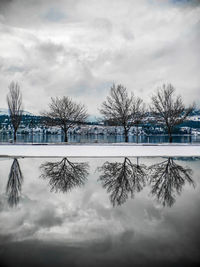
128, 34
197, 2
127, 236
103, 24
50, 51
15, 69
55, 15
5, 3
189, 2
107, 252
48, 218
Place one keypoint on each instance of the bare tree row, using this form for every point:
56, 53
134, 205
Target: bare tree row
129, 110
120, 108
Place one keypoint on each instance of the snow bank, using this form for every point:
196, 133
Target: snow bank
99, 150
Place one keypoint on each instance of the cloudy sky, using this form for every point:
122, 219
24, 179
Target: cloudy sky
78, 48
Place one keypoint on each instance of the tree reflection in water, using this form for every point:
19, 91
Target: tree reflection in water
14, 185
122, 179
65, 175
167, 179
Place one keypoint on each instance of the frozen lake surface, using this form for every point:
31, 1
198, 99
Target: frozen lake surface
89, 212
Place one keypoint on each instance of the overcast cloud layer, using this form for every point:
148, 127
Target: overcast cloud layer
79, 48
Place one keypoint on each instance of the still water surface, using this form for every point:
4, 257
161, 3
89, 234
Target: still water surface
39, 138
99, 212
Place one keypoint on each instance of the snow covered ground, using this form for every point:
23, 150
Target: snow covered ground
100, 150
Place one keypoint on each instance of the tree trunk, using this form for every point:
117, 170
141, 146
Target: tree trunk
15, 135
32, 135
64, 128
126, 134
170, 130
137, 134
170, 137
65, 137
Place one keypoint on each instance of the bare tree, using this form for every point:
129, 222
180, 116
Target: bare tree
122, 179
14, 100
169, 108
65, 113
122, 109
167, 179
138, 113
65, 175
14, 185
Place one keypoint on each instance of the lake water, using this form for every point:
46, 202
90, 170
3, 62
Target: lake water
38, 138
99, 212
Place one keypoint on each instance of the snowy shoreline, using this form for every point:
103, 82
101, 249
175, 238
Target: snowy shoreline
99, 150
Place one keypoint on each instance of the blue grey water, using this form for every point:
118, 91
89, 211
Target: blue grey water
99, 212
50, 138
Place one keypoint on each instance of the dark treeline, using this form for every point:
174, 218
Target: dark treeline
119, 109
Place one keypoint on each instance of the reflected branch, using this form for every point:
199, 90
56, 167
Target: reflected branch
14, 185
122, 179
65, 175
167, 179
